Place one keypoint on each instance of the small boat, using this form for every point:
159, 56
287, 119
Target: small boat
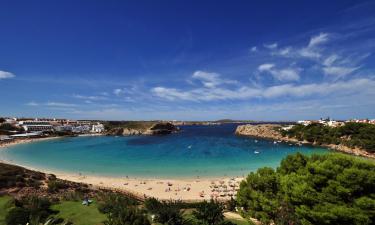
256, 141
189, 147
274, 142
256, 152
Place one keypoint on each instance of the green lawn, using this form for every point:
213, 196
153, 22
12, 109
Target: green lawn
3, 203
240, 222
79, 214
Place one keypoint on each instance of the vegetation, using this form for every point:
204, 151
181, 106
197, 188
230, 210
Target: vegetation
359, 135
321, 189
304, 190
6, 128
137, 125
15, 176
176, 213
55, 185
211, 213
5, 202
78, 214
121, 210
33, 210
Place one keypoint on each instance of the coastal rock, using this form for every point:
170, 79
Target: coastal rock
153, 129
272, 131
163, 128
263, 131
127, 132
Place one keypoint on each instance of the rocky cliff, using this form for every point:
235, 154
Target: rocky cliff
272, 131
269, 131
149, 129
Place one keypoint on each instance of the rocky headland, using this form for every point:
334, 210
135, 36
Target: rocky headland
273, 132
142, 128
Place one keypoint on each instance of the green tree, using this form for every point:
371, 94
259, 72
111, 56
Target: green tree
210, 213
170, 213
121, 210
320, 189
17, 216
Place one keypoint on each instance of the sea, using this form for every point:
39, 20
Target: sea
196, 151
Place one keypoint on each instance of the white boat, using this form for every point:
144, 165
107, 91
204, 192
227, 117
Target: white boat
256, 152
189, 147
274, 142
256, 141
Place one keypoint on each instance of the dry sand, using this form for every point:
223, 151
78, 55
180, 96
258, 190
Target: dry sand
23, 141
165, 189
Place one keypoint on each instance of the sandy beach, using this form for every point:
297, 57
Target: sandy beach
165, 189
24, 141
188, 189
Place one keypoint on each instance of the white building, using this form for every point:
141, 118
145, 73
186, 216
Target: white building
81, 129
63, 128
98, 128
305, 122
30, 126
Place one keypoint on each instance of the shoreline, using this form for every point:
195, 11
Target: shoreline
25, 141
266, 131
185, 189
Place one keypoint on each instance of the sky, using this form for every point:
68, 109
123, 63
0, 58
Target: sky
187, 60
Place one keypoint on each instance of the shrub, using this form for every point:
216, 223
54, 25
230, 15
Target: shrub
55, 185
210, 213
17, 216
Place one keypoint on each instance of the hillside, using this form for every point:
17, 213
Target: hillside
139, 128
352, 138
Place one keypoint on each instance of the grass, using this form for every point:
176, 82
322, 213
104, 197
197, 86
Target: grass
3, 208
240, 222
79, 214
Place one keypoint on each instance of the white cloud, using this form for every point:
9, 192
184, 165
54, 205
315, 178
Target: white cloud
339, 71
60, 104
287, 74
51, 104
6, 75
266, 67
210, 79
330, 60
118, 91
254, 49
91, 98
246, 92
285, 51
271, 46
318, 39
309, 53
32, 103
172, 94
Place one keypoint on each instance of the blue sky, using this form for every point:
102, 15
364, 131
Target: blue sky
187, 60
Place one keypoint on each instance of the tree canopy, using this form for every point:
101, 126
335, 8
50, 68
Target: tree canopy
320, 189
351, 134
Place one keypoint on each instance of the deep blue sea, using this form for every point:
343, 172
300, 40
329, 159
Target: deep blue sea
205, 151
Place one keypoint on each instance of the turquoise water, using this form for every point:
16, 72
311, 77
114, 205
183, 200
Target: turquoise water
205, 151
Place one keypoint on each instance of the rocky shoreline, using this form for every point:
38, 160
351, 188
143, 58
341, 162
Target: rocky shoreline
272, 132
154, 129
